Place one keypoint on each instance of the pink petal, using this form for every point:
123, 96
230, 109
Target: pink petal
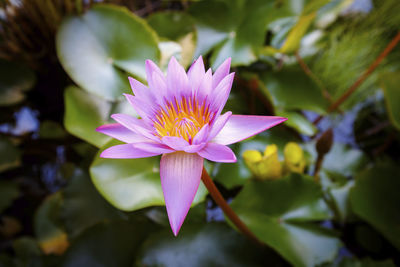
152, 68
219, 124
177, 80
174, 142
126, 151
221, 72
159, 88
117, 131
220, 95
196, 74
240, 127
153, 147
143, 108
194, 148
218, 153
202, 135
140, 90
205, 86
134, 124
180, 178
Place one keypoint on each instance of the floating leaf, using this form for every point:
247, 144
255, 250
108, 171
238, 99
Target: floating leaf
376, 199
291, 89
391, 88
365, 262
27, 252
101, 47
282, 213
9, 155
85, 112
298, 122
233, 28
83, 206
208, 244
51, 130
15, 79
171, 24
308, 15
51, 237
107, 245
8, 193
131, 184
344, 160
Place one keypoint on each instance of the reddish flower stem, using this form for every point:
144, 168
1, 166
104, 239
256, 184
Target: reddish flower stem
219, 199
363, 77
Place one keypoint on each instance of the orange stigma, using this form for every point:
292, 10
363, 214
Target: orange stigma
182, 119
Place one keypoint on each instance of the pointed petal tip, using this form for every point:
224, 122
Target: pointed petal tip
149, 62
173, 59
98, 129
180, 175
218, 153
283, 119
131, 82
104, 154
175, 228
128, 95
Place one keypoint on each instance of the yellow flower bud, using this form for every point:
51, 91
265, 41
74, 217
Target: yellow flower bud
264, 167
252, 158
270, 167
294, 158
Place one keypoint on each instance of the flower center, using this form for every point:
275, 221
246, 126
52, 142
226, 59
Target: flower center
182, 118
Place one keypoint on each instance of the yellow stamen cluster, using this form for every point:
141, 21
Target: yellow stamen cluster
183, 118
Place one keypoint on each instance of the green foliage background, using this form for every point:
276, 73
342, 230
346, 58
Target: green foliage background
64, 66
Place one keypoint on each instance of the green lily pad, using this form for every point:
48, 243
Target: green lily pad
344, 160
85, 112
27, 252
291, 89
131, 184
292, 42
49, 231
366, 262
107, 244
376, 199
51, 130
171, 24
198, 245
101, 47
83, 206
233, 28
15, 79
9, 155
282, 213
298, 122
8, 193
390, 84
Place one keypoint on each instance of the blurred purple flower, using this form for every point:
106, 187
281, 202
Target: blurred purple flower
181, 119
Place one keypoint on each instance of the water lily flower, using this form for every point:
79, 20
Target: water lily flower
181, 120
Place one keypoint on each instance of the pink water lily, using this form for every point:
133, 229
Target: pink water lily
181, 119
